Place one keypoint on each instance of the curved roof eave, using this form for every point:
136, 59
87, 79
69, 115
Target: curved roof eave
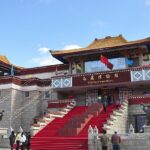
60, 56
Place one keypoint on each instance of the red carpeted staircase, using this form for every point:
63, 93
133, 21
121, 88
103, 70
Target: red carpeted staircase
98, 121
59, 143
48, 138
52, 128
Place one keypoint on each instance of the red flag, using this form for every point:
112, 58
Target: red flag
110, 65
104, 59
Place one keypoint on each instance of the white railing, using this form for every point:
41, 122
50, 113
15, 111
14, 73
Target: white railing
50, 116
118, 120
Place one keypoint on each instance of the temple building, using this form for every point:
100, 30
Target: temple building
88, 78
111, 68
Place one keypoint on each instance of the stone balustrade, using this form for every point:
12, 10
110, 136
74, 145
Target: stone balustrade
50, 116
118, 120
132, 141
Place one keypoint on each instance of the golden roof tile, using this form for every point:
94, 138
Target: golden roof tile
4, 59
107, 42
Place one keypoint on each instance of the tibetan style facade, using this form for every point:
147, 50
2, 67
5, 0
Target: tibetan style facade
88, 78
81, 76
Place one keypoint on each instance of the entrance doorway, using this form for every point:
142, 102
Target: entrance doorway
91, 96
140, 120
111, 94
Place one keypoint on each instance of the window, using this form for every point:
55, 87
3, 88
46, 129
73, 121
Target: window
47, 94
135, 62
97, 65
78, 68
27, 94
5, 73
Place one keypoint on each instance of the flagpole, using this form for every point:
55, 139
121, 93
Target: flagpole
12, 71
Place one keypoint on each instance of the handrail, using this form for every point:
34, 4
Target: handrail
61, 101
140, 96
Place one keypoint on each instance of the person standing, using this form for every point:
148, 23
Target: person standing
116, 140
104, 140
22, 141
105, 103
28, 140
12, 139
18, 136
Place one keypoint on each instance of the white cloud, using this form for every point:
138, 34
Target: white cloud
45, 60
71, 46
43, 49
147, 2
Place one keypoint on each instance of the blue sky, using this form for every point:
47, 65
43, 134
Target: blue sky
28, 28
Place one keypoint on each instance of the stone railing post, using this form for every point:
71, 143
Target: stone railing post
90, 138
131, 129
96, 139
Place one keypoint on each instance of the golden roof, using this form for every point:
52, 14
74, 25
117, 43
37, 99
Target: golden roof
4, 59
107, 42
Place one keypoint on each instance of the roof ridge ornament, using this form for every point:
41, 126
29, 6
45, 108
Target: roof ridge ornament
108, 37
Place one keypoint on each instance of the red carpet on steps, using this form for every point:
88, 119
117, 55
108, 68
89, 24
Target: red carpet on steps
98, 121
48, 139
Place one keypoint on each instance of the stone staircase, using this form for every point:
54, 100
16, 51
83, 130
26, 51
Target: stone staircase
49, 117
118, 120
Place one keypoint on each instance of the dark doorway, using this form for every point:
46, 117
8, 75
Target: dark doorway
140, 120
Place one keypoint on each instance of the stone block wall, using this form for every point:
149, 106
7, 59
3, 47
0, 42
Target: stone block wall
16, 106
54, 95
20, 110
5, 104
24, 109
135, 143
32, 108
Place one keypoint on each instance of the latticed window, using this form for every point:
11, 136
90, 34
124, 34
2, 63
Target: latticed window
47, 94
27, 94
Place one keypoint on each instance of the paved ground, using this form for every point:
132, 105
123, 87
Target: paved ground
4, 148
